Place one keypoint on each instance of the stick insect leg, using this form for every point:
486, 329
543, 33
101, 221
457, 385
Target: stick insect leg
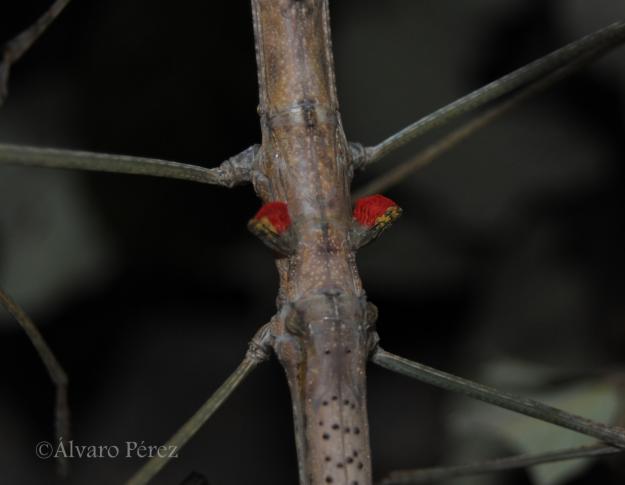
56, 372
598, 43
429, 475
258, 352
236, 170
435, 150
611, 435
17, 47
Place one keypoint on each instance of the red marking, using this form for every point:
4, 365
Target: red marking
368, 209
276, 214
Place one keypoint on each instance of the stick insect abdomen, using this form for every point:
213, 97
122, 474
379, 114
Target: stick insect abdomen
324, 353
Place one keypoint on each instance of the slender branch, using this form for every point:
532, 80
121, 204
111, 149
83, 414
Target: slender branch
234, 171
599, 42
55, 371
428, 475
612, 435
257, 353
15, 48
432, 152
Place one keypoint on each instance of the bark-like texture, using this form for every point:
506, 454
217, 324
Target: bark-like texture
322, 331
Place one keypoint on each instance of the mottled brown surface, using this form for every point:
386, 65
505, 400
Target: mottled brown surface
322, 334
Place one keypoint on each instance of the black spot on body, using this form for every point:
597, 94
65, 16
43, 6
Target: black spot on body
310, 117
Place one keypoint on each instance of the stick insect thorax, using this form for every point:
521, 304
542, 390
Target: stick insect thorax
323, 331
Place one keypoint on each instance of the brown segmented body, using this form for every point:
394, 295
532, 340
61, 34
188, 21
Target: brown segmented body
322, 334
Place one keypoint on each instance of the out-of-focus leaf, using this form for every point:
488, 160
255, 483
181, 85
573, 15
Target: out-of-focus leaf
595, 399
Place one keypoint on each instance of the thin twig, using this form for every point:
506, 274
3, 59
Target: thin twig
432, 152
257, 353
234, 171
612, 435
16, 47
599, 42
429, 475
55, 371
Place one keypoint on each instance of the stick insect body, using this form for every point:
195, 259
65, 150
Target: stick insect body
323, 331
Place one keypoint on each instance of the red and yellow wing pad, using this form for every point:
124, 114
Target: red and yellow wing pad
272, 217
271, 224
376, 210
372, 215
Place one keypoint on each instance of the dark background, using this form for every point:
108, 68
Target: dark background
511, 246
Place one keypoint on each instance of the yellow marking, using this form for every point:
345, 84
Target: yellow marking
388, 217
264, 225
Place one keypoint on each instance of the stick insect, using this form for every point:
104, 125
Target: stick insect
324, 330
